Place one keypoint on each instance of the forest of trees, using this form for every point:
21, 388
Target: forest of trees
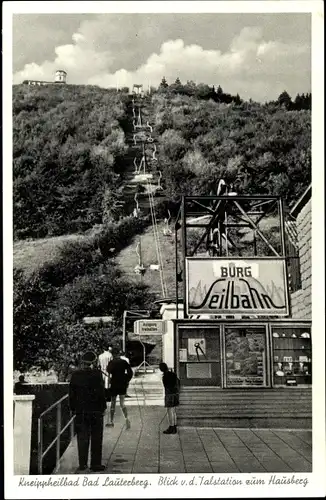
203, 91
260, 149
70, 153
68, 147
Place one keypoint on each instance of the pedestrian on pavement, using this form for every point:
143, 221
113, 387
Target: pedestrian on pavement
120, 374
87, 402
19, 386
171, 400
123, 356
103, 361
70, 370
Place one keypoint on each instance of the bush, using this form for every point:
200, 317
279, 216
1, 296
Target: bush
115, 236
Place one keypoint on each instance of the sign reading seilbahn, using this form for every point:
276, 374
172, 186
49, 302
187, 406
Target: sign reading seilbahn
237, 286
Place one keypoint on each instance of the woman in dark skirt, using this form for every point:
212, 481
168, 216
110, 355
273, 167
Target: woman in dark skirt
171, 400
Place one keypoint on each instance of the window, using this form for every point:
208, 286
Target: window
199, 356
245, 352
291, 355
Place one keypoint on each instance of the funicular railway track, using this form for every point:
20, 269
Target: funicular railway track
142, 179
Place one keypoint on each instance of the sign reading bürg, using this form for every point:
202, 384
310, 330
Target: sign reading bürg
234, 286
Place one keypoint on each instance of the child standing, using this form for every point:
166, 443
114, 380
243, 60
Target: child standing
171, 385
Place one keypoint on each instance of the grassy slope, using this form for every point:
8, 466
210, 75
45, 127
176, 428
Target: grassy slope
128, 259
29, 255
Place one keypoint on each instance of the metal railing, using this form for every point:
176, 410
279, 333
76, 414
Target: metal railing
59, 431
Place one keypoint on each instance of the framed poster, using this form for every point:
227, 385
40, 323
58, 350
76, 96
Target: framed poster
196, 346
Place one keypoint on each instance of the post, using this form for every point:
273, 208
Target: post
176, 267
184, 251
40, 445
124, 330
58, 431
140, 261
255, 243
282, 229
22, 433
72, 429
144, 357
284, 253
220, 238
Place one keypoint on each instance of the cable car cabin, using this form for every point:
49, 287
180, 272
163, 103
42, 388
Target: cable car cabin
140, 269
154, 267
152, 189
142, 178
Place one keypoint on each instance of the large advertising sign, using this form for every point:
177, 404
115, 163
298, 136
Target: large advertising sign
237, 286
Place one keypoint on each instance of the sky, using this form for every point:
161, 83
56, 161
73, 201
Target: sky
255, 55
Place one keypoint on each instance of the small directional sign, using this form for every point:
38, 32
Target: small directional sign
149, 327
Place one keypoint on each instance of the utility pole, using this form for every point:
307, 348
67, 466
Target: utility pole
124, 317
140, 260
132, 315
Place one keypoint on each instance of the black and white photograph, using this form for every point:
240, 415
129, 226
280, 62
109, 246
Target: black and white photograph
164, 321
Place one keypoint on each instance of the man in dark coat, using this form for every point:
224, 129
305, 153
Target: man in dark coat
87, 402
120, 375
19, 386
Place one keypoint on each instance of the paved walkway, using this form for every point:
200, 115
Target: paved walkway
144, 449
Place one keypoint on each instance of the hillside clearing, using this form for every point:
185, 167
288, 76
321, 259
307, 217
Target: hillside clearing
29, 255
128, 259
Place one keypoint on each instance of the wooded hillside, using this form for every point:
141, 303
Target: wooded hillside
72, 155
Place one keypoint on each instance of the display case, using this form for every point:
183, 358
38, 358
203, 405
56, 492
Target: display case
245, 356
199, 356
292, 363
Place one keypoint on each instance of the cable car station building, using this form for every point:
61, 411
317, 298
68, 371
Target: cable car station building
238, 334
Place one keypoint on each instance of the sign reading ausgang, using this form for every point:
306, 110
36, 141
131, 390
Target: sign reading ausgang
233, 286
149, 327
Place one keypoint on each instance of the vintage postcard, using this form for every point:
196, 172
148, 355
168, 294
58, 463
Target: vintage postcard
164, 249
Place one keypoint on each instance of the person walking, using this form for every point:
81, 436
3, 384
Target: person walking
123, 356
171, 385
103, 361
120, 374
87, 402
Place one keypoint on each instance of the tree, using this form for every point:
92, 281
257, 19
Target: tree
219, 91
237, 99
163, 84
58, 182
112, 204
72, 340
285, 100
32, 333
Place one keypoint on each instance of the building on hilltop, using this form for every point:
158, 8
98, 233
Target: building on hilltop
60, 77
